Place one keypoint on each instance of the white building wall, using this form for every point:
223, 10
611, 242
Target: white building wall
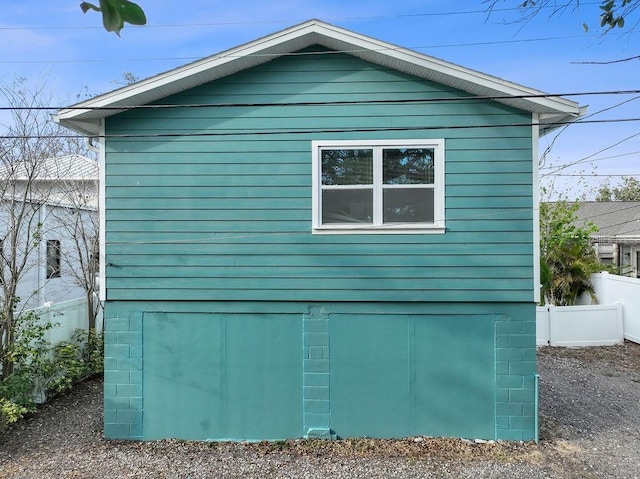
34, 289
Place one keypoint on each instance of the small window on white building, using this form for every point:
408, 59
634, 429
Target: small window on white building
53, 259
378, 186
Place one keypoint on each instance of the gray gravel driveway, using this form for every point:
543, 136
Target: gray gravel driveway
590, 421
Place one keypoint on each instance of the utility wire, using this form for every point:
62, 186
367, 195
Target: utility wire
596, 175
292, 54
325, 103
318, 130
563, 129
225, 237
621, 223
607, 213
591, 161
590, 157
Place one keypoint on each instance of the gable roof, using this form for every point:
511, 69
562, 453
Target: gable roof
84, 117
617, 220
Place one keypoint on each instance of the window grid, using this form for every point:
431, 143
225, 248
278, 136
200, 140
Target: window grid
378, 186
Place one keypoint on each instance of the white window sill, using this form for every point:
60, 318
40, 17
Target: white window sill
372, 230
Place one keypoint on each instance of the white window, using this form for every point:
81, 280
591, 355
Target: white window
378, 186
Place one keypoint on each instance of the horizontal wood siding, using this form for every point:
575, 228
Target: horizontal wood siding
214, 203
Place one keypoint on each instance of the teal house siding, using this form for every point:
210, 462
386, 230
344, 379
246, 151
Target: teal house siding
228, 317
241, 198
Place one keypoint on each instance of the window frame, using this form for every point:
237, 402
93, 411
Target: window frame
54, 258
438, 225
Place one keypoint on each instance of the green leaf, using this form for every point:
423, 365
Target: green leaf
607, 6
620, 22
130, 12
586, 27
116, 12
86, 6
110, 17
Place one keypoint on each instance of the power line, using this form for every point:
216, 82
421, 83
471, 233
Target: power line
597, 175
287, 131
591, 115
426, 47
621, 223
607, 213
325, 103
591, 161
590, 157
230, 236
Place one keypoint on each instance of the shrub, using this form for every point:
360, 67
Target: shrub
77, 358
16, 398
10, 412
42, 371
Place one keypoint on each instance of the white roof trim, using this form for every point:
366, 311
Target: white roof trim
296, 38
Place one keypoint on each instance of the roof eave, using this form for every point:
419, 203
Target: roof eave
84, 117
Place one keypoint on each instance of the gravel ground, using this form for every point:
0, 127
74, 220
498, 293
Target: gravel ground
590, 418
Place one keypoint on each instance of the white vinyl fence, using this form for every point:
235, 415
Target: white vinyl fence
66, 317
614, 319
611, 289
588, 325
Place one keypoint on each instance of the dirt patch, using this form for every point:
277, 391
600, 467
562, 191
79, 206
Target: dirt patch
588, 409
624, 358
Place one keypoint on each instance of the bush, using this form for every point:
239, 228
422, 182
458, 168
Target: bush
72, 360
43, 371
16, 398
10, 412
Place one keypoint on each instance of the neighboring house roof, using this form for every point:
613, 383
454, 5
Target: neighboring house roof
617, 221
60, 168
85, 117
69, 181
69, 168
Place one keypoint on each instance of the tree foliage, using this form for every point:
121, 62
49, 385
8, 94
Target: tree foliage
116, 12
629, 190
567, 258
43, 370
30, 139
610, 14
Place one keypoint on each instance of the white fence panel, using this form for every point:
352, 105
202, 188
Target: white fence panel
66, 317
596, 325
593, 325
610, 289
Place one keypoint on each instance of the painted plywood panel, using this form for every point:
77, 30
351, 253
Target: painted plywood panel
223, 376
398, 376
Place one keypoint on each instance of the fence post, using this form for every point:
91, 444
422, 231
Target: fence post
542, 326
551, 312
620, 321
602, 292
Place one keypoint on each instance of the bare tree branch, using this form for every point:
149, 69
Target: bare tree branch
30, 186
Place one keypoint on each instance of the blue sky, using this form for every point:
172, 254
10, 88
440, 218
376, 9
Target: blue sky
54, 42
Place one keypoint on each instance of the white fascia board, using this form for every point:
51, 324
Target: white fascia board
421, 65
295, 38
535, 145
552, 121
185, 77
102, 204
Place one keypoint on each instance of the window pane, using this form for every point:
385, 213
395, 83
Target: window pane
408, 205
347, 167
347, 206
53, 259
406, 166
